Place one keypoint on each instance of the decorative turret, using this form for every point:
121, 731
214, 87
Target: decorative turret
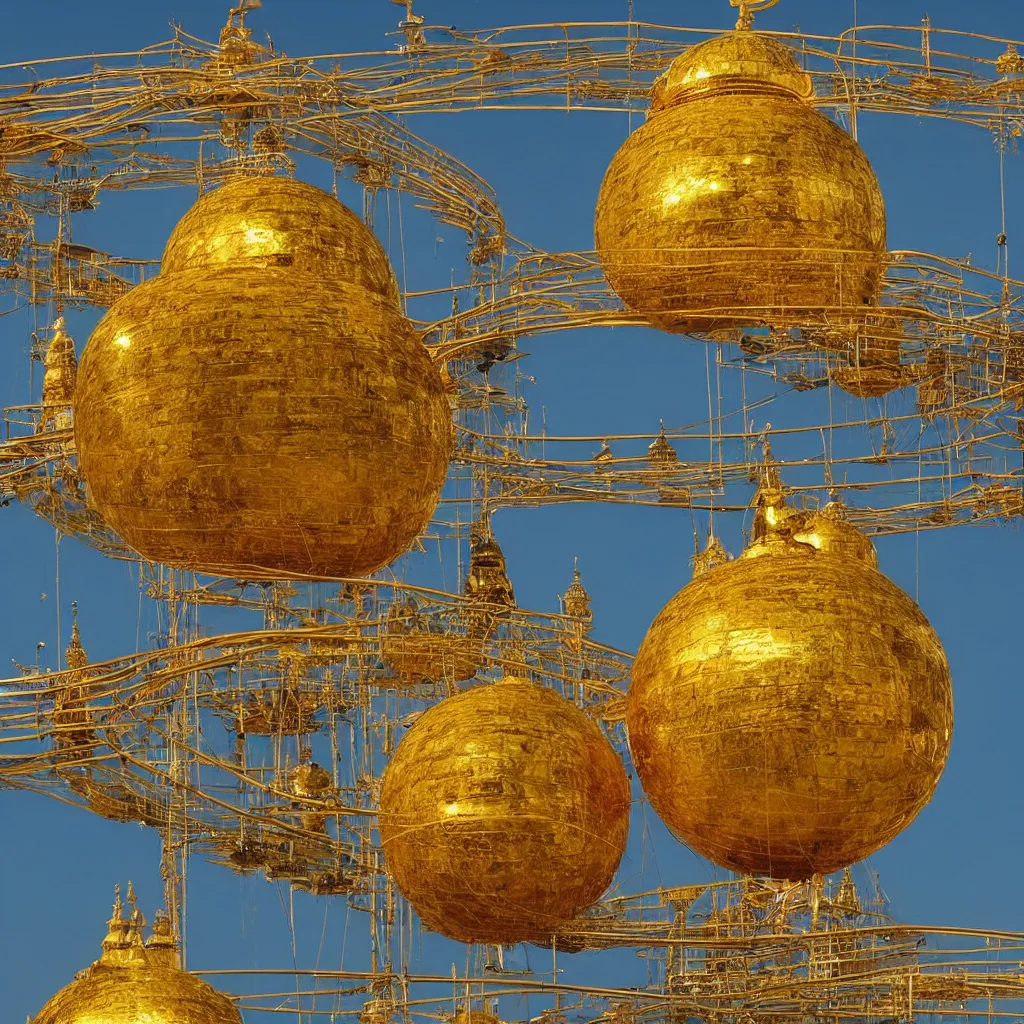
576, 600
135, 980
487, 581
60, 375
660, 452
74, 654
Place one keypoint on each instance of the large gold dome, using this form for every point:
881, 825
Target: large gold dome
503, 814
737, 203
137, 983
791, 711
263, 407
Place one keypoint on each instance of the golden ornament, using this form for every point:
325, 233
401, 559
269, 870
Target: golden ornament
418, 649
737, 203
790, 711
263, 407
136, 981
503, 814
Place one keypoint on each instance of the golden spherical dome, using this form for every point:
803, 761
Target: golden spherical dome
737, 203
126, 994
135, 981
503, 814
263, 407
790, 713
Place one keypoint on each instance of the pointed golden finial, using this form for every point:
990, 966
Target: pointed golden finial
74, 654
136, 921
713, 555
770, 499
745, 22
660, 452
847, 898
576, 600
117, 926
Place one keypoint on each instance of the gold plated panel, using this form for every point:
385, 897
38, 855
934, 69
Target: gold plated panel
503, 814
243, 415
737, 203
790, 713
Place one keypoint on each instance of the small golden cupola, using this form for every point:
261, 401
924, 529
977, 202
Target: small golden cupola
137, 980
576, 600
660, 452
60, 375
487, 581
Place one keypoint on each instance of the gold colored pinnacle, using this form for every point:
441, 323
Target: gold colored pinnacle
747, 9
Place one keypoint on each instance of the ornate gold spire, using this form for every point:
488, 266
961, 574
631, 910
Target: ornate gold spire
60, 375
770, 499
745, 22
713, 555
487, 581
74, 654
576, 600
117, 926
660, 452
847, 899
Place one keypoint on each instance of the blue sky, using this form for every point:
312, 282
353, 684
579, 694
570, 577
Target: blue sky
953, 866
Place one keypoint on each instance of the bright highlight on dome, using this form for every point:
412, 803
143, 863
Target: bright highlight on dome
791, 711
503, 814
737, 203
263, 406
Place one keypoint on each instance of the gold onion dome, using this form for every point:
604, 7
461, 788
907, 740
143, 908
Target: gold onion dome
135, 981
737, 202
503, 814
262, 406
790, 711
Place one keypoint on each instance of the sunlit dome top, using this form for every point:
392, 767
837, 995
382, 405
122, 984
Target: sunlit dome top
263, 221
734, 62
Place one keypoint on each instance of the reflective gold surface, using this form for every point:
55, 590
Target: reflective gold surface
263, 406
737, 203
790, 711
137, 982
503, 814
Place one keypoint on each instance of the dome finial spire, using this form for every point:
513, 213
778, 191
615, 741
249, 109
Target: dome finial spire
745, 22
74, 654
770, 499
